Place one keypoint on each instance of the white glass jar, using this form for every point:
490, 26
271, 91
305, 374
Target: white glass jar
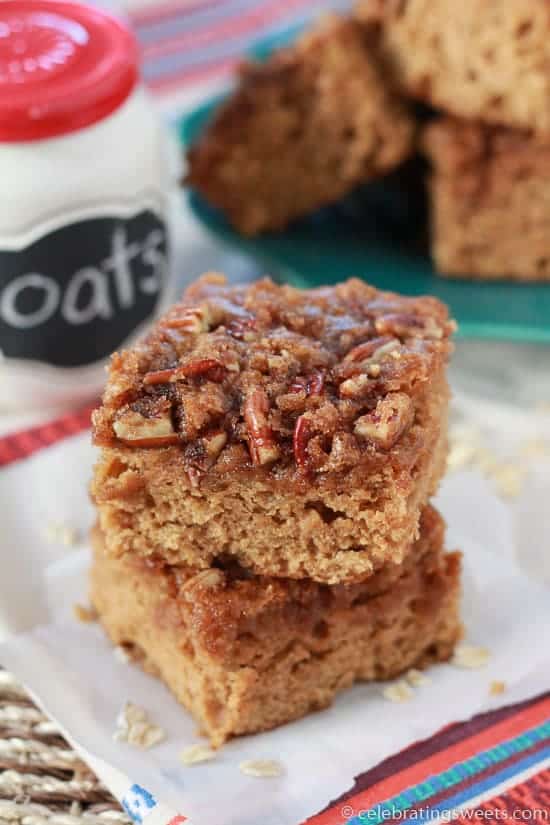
87, 191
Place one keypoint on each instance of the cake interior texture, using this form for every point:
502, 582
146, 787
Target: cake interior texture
245, 653
301, 130
475, 59
299, 433
490, 201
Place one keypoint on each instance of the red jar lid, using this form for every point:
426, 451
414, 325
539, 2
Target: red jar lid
63, 66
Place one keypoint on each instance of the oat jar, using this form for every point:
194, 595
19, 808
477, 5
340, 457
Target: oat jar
87, 185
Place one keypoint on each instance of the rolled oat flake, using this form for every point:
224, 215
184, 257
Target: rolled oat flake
87, 194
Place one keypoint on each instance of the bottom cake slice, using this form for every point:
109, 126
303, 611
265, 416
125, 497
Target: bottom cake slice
246, 654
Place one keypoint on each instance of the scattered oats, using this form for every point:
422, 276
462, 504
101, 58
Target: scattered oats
416, 678
261, 767
398, 692
57, 533
84, 614
460, 455
121, 654
535, 448
134, 727
195, 754
497, 688
485, 461
470, 657
508, 479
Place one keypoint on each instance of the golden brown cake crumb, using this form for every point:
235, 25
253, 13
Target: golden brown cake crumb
301, 130
297, 432
476, 59
246, 653
490, 191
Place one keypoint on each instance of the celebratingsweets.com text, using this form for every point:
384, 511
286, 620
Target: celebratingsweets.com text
427, 814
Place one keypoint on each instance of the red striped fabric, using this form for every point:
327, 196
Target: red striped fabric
19, 445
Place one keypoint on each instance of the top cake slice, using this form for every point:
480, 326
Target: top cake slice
298, 433
477, 59
301, 130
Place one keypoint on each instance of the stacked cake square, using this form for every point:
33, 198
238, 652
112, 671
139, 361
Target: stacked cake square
264, 535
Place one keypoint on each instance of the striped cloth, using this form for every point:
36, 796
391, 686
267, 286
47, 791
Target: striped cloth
186, 44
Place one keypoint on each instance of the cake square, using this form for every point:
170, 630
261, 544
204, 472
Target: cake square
490, 201
474, 59
246, 653
297, 432
301, 130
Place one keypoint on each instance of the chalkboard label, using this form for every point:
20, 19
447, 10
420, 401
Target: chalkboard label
71, 297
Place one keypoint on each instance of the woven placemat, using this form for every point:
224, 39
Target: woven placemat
42, 780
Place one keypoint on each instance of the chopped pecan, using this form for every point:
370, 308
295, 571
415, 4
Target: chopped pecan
194, 476
312, 385
409, 326
211, 367
242, 328
316, 383
261, 443
137, 430
354, 386
370, 348
301, 437
214, 444
388, 421
193, 320
205, 580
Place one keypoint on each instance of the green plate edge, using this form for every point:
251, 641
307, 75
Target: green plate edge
305, 257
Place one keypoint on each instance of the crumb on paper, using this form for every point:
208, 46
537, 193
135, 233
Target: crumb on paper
470, 657
398, 692
261, 767
461, 454
133, 726
195, 754
59, 533
535, 448
84, 614
121, 655
416, 678
497, 688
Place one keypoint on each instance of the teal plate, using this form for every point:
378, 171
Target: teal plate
374, 234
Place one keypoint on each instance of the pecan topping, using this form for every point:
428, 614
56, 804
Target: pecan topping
138, 430
385, 425
261, 443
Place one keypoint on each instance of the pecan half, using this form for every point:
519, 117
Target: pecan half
261, 443
137, 430
388, 421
